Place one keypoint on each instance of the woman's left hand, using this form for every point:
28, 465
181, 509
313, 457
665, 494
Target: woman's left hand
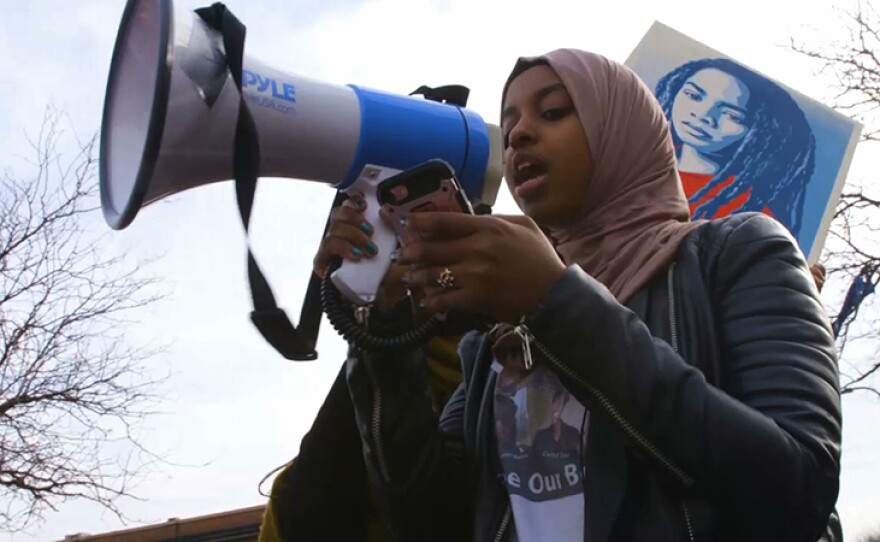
495, 266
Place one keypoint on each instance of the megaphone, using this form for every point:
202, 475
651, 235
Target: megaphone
170, 120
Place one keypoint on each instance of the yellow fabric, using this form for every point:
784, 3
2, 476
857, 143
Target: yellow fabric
444, 369
444, 376
268, 529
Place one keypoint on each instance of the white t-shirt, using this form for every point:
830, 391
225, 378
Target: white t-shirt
538, 427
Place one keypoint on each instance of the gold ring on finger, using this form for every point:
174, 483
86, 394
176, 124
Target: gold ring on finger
446, 279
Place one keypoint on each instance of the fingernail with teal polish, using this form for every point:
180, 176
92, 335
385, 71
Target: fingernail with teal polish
357, 252
367, 228
372, 248
404, 221
394, 256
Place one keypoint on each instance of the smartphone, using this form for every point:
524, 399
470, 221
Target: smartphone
428, 187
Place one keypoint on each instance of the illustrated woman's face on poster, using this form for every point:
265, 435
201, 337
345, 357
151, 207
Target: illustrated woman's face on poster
710, 112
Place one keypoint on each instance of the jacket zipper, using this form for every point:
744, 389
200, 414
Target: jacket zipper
376, 426
505, 521
673, 336
687, 521
673, 326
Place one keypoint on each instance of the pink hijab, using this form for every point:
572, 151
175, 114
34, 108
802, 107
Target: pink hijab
636, 215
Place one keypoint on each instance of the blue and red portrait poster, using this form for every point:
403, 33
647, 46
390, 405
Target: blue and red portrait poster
744, 141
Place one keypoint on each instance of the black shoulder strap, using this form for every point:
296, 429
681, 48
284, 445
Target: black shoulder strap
271, 321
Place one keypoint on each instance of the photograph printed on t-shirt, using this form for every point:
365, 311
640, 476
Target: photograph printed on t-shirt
538, 429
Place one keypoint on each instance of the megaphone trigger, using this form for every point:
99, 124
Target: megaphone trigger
359, 281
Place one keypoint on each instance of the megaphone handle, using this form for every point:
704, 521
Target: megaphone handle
359, 281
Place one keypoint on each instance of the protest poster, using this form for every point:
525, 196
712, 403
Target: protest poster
744, 141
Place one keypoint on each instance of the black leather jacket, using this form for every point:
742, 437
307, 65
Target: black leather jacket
714, 399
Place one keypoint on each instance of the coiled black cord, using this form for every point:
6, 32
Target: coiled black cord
342, 318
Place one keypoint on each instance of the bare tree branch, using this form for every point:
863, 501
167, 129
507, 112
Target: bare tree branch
73, 390
853, 62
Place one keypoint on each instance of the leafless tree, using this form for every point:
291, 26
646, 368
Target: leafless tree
852, 60
73, 391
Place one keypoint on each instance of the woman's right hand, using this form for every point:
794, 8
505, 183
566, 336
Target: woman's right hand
818, 272
349, 236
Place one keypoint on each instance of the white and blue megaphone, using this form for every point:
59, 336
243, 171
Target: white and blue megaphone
170, 120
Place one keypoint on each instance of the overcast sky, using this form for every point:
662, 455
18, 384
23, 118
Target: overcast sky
235, 406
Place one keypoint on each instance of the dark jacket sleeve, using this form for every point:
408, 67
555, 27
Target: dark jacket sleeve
766, 448
326, 477
415, 459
